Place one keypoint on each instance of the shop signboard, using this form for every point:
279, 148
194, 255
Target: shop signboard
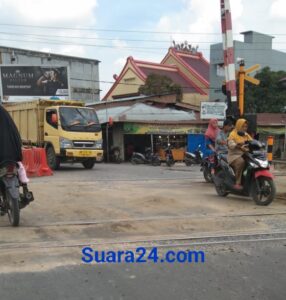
216, 110
135, 128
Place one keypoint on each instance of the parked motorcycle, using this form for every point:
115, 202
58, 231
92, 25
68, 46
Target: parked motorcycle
148, 158
11, 200
169, 156
194, 158
257, 180
115, 155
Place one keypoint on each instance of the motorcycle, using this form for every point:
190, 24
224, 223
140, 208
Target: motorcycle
115, 155
193, 158
257, 180
148, 158
169, 156
11, 199
207, 167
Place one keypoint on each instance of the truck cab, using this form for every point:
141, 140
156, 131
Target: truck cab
72, 134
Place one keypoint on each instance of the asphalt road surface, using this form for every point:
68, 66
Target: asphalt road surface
121, 207
248, 271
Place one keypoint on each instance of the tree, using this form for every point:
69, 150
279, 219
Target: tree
269, 96
158, 84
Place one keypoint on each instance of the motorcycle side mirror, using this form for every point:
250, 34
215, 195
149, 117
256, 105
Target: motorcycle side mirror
241, 133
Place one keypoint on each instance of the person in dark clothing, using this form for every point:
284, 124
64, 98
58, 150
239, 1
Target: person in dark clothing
10, 140
50, 82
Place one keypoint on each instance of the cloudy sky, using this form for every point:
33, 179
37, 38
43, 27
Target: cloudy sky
110, 30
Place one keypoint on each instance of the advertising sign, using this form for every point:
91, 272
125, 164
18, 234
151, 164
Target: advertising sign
34, 82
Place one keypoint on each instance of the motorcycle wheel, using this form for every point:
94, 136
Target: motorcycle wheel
133, 161
13, 210
188, 163
268, 191
207, 175
170, 162
156, 162
220, 188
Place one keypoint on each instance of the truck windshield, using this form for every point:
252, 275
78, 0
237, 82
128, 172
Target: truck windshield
79, 119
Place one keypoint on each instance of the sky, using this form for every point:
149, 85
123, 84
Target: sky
110, 30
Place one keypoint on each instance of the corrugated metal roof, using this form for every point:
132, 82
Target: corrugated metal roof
141, 112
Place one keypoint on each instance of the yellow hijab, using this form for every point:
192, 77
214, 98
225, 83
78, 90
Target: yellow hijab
234, 135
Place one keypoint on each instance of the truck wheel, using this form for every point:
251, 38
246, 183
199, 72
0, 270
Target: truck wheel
88, 164
53, 160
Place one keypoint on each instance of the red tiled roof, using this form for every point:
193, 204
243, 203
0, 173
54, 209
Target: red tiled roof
170, 71
201, 67
173, 75
195, 62
145, 68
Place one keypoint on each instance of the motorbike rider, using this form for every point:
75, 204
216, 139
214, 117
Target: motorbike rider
221, 139
11, 144
236, 148
210, 136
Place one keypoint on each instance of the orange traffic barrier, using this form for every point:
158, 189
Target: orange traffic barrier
28, 161
35, 162
40, 160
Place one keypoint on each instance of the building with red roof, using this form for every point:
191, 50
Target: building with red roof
188, 69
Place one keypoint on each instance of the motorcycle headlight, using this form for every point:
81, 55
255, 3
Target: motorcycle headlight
253, 165
98, 144
263, 163
65, 143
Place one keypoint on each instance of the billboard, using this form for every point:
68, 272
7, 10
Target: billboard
28, 82
211, 110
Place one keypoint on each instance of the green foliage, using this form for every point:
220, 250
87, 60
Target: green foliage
269, 96
158, 85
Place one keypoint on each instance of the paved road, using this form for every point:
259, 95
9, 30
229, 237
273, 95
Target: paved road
116, 206
127, 171
248, 271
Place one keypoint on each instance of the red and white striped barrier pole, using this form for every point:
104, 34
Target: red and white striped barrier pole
229, 61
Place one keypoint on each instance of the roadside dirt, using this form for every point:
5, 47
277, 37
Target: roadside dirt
68, 214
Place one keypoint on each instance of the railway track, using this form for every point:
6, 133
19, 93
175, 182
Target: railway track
160, 242
150, 218
47, 234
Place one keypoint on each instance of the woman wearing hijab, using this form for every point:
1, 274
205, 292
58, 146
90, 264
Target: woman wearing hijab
211, 135
236, 145
10, 143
